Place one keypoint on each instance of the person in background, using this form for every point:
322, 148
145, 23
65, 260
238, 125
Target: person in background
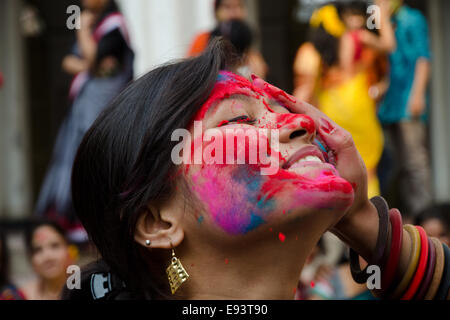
329, 281
436, 221
224, 11
238, 32
335, 71
102, 64
8, 291
50, 256
403, 111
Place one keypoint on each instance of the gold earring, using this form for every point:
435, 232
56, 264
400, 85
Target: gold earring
176, 273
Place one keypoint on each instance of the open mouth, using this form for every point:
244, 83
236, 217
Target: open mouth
309, 156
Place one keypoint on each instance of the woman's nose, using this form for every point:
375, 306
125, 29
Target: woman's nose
295, 126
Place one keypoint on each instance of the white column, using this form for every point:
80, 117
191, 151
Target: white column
163, 30
15, 184
440, 115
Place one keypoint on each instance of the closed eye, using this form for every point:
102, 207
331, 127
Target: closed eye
240, 119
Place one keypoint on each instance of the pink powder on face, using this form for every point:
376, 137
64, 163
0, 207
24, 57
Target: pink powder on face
238, 203
237, 197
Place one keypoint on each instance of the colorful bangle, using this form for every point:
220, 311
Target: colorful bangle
412, 264
361, 276
394, 256
421, 268
438, 270
386, 256
441, 294
429, 273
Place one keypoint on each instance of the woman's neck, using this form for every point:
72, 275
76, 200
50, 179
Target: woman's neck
269, 272
51, 289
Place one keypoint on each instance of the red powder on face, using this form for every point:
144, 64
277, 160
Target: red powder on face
277, 93
326, 126
277, 182
223, 89
267, 106
293, 121
281, 236
222, 123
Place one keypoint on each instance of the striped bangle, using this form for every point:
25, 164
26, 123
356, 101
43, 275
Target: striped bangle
421, 268
361, 276
412, 264
429, 273
441, 294
394, 254
438, 270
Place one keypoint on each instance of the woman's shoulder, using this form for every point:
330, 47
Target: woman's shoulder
11, 292
30, 290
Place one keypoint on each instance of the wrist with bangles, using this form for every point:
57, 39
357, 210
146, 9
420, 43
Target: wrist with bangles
427, 275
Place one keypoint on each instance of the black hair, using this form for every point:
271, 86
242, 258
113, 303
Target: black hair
36, 224
109, 8
352, 7
237, 31
440, 212
326, 44
217, 4
4, 261
124, 162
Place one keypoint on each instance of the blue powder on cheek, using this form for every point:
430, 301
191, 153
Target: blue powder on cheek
253, 180
265, 205
255, 221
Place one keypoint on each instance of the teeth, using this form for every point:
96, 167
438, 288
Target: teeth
310, 158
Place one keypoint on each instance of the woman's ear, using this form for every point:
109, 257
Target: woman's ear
161, 226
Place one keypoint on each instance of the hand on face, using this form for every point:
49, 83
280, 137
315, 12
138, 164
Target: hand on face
348, 160
238, 197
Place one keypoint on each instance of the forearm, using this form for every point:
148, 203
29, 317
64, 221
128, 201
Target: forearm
73, 65
387, 36
88, 46
360, 232
421, 76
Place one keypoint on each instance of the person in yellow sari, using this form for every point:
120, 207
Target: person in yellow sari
337, 71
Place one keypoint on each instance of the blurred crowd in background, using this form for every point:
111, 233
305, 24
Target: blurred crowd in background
373, 79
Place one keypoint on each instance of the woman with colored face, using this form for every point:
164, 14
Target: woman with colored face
196, 183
